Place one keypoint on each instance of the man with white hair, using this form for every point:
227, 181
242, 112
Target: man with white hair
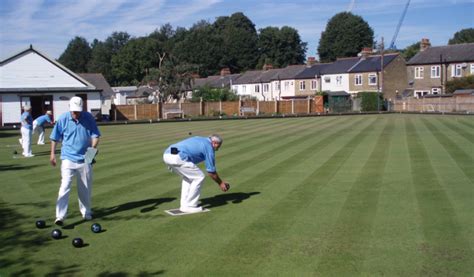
78, 133
26, 131
183, 157
38, 125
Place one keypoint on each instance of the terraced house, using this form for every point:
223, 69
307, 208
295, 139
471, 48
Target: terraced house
430, 69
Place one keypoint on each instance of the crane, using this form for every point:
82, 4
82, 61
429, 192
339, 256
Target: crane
392, 43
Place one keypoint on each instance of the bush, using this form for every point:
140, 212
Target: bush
209, 94
460, 83
370, 101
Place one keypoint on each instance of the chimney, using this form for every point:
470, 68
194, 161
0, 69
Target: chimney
365, 52
267, 66
225, 71
424, 44
310, 61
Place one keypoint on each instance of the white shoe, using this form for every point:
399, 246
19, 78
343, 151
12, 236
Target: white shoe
191, 209
28, 155
40, 143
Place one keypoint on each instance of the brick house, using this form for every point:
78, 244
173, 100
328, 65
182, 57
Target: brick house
430, 69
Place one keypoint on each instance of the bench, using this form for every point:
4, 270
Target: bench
244, 110
178, 112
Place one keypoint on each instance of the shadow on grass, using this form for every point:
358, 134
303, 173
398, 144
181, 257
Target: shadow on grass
224, 199
10, 134
17, 240
46, 153
15, 167
150, 204
124, 274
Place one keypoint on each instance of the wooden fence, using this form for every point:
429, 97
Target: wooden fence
214, 109
459, 103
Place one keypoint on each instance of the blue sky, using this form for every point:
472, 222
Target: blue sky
50, 24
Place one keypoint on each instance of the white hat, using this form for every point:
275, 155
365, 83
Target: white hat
75, 104
49, 112
26, 107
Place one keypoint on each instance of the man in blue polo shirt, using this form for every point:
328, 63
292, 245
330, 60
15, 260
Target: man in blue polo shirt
26, 131
77, 131
183, 157
38, 125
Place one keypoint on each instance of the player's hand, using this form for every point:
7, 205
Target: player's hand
224, 186
52, 159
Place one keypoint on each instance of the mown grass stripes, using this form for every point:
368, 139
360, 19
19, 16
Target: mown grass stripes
445, 249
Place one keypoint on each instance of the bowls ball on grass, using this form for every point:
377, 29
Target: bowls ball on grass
77, 242
40, 224
96, 228
56, 234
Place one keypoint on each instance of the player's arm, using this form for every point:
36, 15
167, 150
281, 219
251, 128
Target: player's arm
223, 185
52, 157
95, 142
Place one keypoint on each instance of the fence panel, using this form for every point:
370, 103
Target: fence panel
211, 108
284, 107
436, 104
191, 109
230, 108
267, 107
301, 106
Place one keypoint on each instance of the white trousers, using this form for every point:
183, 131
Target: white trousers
40, 130
83, 172
26, 141
192, 179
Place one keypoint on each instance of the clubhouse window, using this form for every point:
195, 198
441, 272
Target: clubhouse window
435, 71
302, 85
266, 87
314, 85
358, 80
419, 72
257, 88
372, 79
456, 70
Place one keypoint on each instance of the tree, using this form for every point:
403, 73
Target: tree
200, 46
239, 42
102, 53
132, 63
210, 94
410, 51
460, 83
77, 55
280, 47
345, 36
463, 36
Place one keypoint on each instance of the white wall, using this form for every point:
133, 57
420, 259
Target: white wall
333, 85
33, 71
287, 88
11, 108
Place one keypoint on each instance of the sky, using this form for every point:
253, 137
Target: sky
49, 25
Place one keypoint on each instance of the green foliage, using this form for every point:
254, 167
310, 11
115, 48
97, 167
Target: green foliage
463, 36
410, 51
460, 83
239, 42
102, 53
135, 59
201, 45
371, 101
209, 94
280, 47
345, 36
77, 55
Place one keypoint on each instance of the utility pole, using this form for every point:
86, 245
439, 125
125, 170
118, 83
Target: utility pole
381, 75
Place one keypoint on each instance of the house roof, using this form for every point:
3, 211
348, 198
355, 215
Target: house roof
266, 76
340, 65
98, 80
88, 86
450, 53
312, 71
372, 63
215, 81
249, 77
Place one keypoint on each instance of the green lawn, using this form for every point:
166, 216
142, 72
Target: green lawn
371, 195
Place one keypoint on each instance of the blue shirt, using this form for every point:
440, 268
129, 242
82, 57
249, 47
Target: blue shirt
41, 120
26, 120
196, 150
75, 136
